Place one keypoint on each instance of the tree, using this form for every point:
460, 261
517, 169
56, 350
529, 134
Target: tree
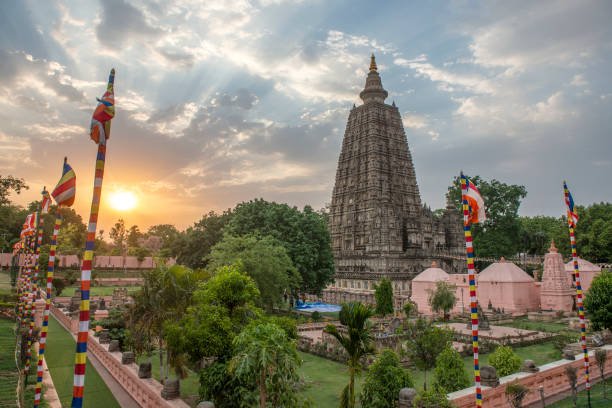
168, 234
262, 258
499, 235
424, 343
193, 247
133, 235
442, 299
8, 184
409, 308
265, 355
538, 231
384, 297
505, 361
384, 380
598, 301
118, 235
450, 373
601, 356
304, 234
357, 343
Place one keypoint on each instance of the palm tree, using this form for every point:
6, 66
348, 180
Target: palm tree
357, 342
265, 353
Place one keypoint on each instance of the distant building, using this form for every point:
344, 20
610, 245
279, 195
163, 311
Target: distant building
379, 226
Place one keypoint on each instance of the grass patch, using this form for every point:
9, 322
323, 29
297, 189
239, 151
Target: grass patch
100, 290
325, 380
550, 327
597, 399
60, 360
9, 375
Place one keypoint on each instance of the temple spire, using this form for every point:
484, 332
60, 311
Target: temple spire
373, 66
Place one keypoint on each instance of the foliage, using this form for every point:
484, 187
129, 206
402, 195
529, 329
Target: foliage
194, 245
168, 234
164, 297
357, 342
499, 235
442, 299
316, 316
598, 301
505, 361
58, 286
425, 342
384, 380
409, 308
450, 373
8, 184
132, 237
601, 356
217, 384
433, 398
304, 235
538, 231
384, 297
265, 355
264, 260
71, 239
571, 373
118, 234
515, 393
116, 325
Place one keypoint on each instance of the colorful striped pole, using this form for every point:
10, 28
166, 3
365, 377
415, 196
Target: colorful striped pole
469, 250
80, 360
45, 325
572, 217
34, 292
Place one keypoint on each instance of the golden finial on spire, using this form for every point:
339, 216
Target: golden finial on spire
373, 66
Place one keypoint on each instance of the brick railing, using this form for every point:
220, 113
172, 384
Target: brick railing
551, 377
146, 392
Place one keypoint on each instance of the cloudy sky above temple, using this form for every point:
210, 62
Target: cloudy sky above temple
223, 101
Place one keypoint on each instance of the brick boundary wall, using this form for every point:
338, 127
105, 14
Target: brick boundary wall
551, 377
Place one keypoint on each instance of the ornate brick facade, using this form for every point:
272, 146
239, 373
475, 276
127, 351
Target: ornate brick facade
379, 226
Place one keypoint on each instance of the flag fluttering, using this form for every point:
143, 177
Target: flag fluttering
99, 133
46, 202
65, 190
572, 219
572, 215
473, 212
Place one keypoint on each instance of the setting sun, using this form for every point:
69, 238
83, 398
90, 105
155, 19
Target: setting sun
123, 200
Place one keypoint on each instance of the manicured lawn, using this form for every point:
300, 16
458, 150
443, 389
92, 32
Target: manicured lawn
189, 386
325, 380
100, 290
597, 399
60, 359
550, 327
8, 371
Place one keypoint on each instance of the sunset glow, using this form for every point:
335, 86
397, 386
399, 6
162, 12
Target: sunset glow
123, 200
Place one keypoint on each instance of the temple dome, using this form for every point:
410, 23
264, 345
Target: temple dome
583, 266
432, 274
503, 271
373, 91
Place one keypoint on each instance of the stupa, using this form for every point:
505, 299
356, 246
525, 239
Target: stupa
556, 293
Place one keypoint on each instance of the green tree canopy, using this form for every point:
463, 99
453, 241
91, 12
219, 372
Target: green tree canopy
193, 247
450, 373
505, 361
8, 184
598, 301
264, 259
265, 355
424, 343
442, 298
384, 380
303, 233
499, 235
384, 297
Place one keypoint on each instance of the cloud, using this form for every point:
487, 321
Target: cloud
122, 23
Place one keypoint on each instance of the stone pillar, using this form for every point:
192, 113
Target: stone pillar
406, 396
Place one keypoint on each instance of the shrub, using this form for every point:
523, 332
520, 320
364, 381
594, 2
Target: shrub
505, 361
450, 373
58, 286
383, 382
316, 316
432, 398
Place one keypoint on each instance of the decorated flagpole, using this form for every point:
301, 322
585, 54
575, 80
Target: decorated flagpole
100, 132
572, 219
473, 213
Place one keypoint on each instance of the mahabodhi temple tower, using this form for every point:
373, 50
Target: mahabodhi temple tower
379, 226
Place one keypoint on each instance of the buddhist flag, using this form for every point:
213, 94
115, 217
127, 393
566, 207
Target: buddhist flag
46, 201
476, 208
66, 188
29, 226
572, 215
104, 112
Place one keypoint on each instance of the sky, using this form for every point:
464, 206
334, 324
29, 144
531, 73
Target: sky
220, 102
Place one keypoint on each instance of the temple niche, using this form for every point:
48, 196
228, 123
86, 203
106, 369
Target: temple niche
379, 226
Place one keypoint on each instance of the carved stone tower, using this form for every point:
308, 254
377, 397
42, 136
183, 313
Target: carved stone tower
379, 227
556, 293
